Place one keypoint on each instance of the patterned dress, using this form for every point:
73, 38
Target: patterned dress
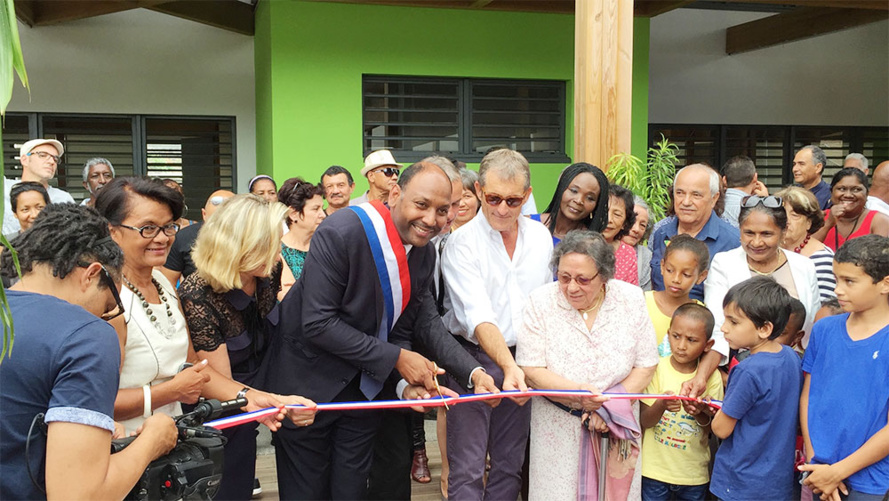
553, 335
295, 259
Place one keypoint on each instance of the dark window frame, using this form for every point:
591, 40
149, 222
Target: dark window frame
465, 132
791, 143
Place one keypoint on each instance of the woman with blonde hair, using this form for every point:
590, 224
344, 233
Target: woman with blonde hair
228, 302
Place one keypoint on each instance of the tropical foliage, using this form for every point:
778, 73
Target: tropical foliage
651, 179
11, 63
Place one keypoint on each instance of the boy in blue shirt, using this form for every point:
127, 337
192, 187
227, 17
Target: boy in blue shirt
758, 418
844, 408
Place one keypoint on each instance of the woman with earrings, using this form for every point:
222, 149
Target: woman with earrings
763, 225
306, 203
580, 202
159, 367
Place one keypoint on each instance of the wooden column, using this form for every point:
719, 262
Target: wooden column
603, 79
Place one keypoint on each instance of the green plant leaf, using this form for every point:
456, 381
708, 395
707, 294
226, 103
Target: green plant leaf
11, 59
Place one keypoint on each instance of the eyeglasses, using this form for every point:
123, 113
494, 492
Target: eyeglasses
109, 282
565, 279
496, 200
151, 230
389, 171
771, 202
44, 155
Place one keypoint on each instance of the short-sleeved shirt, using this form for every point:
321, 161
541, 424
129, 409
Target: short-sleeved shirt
179, 258
756, 460
65, 364
718, 235
10, 223
848, 397
676, 450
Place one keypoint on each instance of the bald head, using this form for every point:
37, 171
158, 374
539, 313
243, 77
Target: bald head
879, 185
214, 201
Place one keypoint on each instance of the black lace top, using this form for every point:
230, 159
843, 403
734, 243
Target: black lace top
215, 318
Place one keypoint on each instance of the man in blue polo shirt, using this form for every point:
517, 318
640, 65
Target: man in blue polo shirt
808, 167
695, 191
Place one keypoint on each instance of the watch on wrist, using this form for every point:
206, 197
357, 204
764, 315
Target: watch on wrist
242, 393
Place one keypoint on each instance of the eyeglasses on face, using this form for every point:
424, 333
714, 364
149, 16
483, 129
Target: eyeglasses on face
151, 230
565, 279
109, 282
496, 200
771, 202
389, 171
44, 155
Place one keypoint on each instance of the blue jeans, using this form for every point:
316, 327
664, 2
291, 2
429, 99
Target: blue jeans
655, 490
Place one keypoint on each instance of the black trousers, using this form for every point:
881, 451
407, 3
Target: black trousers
390, 474
331, 458
239, 467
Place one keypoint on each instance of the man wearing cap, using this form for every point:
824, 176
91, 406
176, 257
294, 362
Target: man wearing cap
381, 172
179, 263
40, 160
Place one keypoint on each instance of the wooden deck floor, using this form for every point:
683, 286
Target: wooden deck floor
267, 473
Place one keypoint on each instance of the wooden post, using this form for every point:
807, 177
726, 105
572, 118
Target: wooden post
603, 79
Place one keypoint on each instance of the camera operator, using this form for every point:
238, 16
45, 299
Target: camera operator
65, 365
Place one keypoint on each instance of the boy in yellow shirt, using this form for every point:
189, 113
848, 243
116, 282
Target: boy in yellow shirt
675, 451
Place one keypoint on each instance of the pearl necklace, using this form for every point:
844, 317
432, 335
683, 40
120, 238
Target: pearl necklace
166, 332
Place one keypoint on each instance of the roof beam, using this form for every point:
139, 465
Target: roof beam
795, 25
651, 8
230, 15
34, 13
844, 4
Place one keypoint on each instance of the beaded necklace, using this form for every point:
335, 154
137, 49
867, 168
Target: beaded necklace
166, 332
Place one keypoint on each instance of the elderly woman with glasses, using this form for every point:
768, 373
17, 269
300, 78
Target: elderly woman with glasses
763, 225
584, 331
804, 219
159, 367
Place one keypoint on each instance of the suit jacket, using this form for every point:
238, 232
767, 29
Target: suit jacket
329, 319
730, 268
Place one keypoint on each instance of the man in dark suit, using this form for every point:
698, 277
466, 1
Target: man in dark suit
330, 347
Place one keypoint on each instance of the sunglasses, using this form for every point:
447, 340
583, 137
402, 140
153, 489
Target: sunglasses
771, 202
566, 279
496, 200
390, 171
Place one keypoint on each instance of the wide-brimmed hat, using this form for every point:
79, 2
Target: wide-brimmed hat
30, 145
378, 158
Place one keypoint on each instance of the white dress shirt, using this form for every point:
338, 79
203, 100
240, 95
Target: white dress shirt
874, 203
484, 284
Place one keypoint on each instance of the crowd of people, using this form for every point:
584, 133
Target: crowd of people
752, 330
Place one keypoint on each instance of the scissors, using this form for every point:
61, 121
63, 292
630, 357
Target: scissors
437, 387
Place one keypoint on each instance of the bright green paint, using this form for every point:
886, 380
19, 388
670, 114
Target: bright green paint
641, 45
310, 57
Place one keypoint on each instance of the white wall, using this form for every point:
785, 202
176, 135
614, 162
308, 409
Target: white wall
143, 62
840, 78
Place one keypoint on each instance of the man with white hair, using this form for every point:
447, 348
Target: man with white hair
857, 161
97, 172
40, 160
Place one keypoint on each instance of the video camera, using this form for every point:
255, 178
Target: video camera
193, 469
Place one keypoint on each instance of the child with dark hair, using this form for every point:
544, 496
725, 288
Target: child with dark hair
829, 308
792, 335
758, 418
683, 266
846, 366
675, 449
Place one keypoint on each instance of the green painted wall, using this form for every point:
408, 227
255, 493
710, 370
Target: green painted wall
310, 57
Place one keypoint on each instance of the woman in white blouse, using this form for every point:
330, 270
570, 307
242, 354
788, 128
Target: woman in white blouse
763, 225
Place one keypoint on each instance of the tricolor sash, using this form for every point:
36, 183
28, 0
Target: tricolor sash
389, 259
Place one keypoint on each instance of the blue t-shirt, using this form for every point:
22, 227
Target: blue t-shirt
822, 194
848, 397
718, 235
65, 363
756, 460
